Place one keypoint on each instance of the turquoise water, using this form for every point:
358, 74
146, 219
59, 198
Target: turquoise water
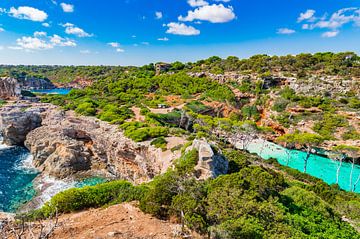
16, 186
318, 166
17, 175
90, 182
57, 91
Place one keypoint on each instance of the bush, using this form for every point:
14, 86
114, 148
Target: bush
280, 104
86, 108
140, 132
76, 199
159, 143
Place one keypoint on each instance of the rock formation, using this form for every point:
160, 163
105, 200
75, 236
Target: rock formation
34, 83
210, 164
9, 88
66, 145
16, 121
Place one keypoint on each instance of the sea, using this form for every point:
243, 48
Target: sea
21, 182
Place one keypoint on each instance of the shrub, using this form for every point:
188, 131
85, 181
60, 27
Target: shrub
76, 199
86, 108
280, 104
159, 143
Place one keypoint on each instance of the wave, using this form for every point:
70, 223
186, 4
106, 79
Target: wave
47, 187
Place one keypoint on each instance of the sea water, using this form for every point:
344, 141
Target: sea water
16, 177
318, 166
57, 91
20, 182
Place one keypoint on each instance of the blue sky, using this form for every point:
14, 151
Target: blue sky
137, 32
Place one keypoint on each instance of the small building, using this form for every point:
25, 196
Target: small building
162, 67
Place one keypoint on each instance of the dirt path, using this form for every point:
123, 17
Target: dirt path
119, 221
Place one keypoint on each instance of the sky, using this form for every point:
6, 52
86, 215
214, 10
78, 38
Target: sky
138, 32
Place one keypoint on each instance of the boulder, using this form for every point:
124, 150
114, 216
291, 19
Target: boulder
9, 88
210, 164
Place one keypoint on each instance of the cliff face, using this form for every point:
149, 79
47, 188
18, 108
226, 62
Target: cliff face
9, 88
33, 83
16, 121
65, 145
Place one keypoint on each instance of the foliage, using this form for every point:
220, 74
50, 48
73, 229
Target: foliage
140, 132
91, 196
159, 143
329, 124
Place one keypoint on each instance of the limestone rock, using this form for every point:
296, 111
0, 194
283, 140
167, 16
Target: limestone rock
9, 88
210, 164
17, 121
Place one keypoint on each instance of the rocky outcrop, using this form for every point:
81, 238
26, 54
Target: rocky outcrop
16, 121
210, 164
66, 145
325, 85
9, 88
34, 83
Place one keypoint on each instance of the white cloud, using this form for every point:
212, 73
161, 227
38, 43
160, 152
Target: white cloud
334, 22
285, 31
163, 39
40, 34
114, 44
330, 34
67, 7
117, 46
197, 3
181, 29
40, 41
28, 13
145, 43
339, 18
308, 15
33, 43
1, 48
212, 13
57, 40
2, 29
71, 29
158, 15
305, 26
45, 24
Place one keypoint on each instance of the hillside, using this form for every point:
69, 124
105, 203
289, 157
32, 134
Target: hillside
179, 134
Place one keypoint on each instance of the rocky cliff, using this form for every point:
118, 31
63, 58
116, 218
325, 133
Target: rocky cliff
65, 145
9, 88
34, 83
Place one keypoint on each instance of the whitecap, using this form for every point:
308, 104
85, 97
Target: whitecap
47, 187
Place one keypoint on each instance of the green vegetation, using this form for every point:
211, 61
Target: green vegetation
249, 202
2, 102
159, 143
256, 199
141, 132
329, 124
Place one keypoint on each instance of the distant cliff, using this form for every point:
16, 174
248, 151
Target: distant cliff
34, 83
9, 88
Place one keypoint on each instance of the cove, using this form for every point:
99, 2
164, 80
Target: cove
57, 91
318, 166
